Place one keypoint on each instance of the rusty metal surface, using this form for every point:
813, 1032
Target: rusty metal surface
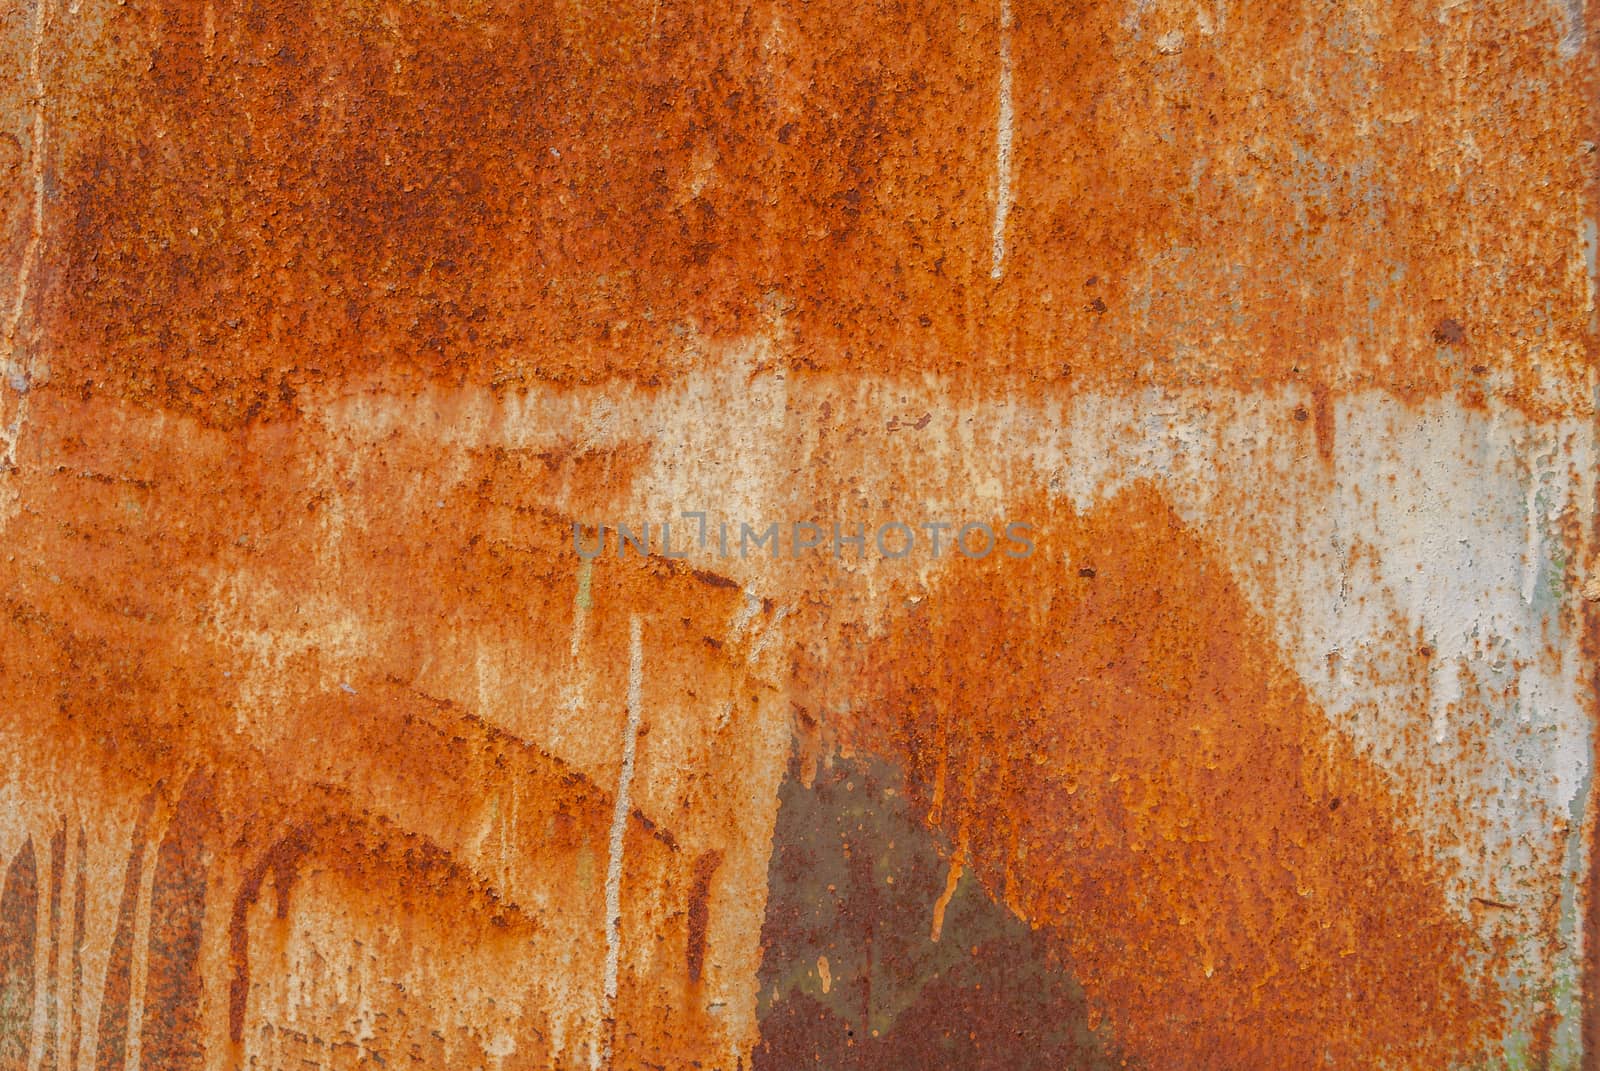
322, 744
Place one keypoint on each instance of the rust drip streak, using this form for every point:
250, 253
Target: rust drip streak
705, 868
1586, 20
139, 966
19, 917
170, 1032
14, 371
279, 861
52, 978
30, 256
80, 905
112, 1037
1002, 142
619, 826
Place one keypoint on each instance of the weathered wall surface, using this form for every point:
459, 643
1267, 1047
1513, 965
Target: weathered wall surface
321, 745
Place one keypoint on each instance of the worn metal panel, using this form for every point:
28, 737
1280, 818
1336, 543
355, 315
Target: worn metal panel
1267, 741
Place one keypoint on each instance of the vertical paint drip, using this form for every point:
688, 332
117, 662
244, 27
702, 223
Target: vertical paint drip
31, 251
80, 900
13, 373
705, 868
1002, 200
52, 999
19, 905
170, 1032
1540, 464
111, 1045
619, 822
582, 603
280, 861
941, 905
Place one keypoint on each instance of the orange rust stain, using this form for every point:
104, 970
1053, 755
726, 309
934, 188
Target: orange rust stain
1322, 415
541, 193
1135, 770
254, 206
375, 783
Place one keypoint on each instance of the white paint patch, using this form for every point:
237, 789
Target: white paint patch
581, 601
772, 631
1135, 15
748, 608
1540, 463
619, 820
1002, 200
1392, 568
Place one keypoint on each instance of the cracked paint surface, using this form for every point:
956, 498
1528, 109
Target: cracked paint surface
323, 324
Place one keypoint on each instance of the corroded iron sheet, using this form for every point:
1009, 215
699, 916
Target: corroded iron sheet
798, 535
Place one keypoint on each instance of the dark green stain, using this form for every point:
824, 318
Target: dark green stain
988, 994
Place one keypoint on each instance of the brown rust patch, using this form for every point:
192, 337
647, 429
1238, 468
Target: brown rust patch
1449, 332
